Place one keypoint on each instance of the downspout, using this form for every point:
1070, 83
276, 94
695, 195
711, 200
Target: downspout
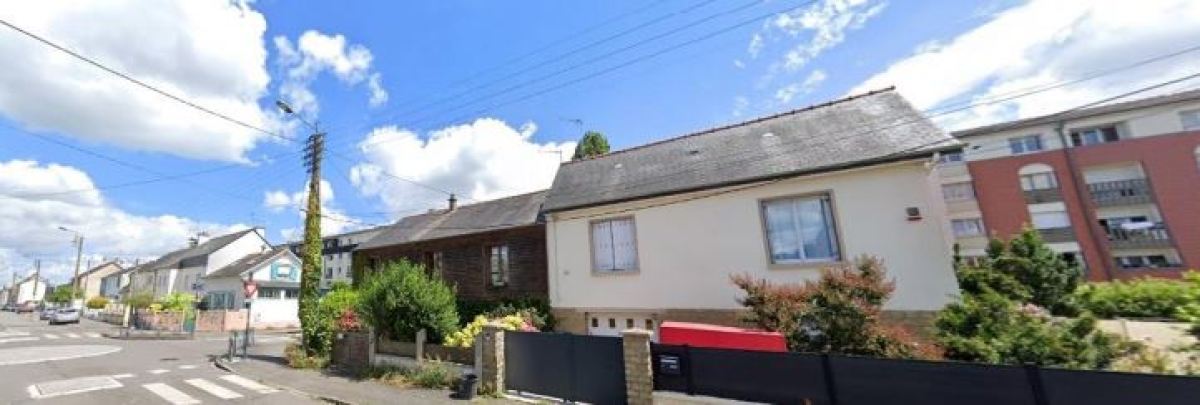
1084, 198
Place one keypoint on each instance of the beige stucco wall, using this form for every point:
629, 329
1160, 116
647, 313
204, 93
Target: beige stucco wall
687, 250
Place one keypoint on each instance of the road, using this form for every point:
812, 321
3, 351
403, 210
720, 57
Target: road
75, 364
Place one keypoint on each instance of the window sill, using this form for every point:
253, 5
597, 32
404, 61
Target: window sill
806, 265
606, 273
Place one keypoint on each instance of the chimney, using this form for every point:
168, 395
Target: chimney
453, 202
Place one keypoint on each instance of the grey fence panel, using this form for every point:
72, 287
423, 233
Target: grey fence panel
870, 381
782, 378
571, 367
599, 373
1075, 387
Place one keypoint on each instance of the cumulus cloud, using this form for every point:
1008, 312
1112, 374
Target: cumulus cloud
32, 207
314, 53
786, 93
483, 160
822, 26
333, 220
1044, 42
210, 52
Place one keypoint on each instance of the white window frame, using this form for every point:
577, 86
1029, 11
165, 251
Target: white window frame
967, 227
613, 268
1082, 134
829, 221
1026, 144
954, 191
1190, 119
1030, 182
498, 267
1066, 219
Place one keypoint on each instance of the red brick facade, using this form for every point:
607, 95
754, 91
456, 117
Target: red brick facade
1168, 161
466, 266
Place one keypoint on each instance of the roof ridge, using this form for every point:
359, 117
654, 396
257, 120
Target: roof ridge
1145, 102
710, 130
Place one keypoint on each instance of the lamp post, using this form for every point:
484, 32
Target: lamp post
311, 258
78, 240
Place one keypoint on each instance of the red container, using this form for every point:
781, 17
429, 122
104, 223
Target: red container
720, 337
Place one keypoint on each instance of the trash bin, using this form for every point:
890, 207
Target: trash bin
467, 387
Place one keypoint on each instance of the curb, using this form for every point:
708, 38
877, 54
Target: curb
219, 363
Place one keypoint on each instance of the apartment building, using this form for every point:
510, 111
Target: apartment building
1116, 187
337, 252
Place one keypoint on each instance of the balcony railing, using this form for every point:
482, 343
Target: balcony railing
1120, 192
1055, 235
1153, 237
1042, 196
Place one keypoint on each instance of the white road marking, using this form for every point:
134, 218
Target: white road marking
212, 388
170, 394
187, 367
122, 376
50, 336
38, 354
92, 334
71, 386
248, 384
158, 371
13, 333
19, 339
71, 335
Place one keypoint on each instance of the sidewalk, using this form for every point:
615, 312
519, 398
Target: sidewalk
331, 386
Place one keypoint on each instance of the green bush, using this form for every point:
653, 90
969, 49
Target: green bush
1026, 258
97, 302
330, 310
402, 299
535, 310
1141, 298
988, 327
177, 302
140, 300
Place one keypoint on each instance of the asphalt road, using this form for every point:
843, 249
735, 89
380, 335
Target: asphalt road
74, 364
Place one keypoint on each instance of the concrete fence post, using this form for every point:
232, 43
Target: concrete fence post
639, 373
371, 341
420, 345
491, 342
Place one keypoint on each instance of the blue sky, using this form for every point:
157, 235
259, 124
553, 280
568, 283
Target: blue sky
368, 65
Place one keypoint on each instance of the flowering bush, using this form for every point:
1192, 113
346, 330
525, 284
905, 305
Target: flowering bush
348, 321
465, 337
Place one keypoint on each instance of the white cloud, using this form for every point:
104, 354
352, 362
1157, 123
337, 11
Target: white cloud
1044, 42
333, 220
30, 219
818, 28
740, 105
756, 45
484, 159
314, 53
210, 52
786, 93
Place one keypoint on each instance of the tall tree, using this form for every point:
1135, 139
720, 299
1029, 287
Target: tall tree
592, 144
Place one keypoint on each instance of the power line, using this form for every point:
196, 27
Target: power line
143, 84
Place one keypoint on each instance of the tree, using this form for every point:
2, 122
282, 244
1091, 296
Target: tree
310, 255
403, 299
1026, 259
62, 294
592, 144
839, 313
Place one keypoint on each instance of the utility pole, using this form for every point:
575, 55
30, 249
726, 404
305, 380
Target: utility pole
37, 273
78, 255
310, 258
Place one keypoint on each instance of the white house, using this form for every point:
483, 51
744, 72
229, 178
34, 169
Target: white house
337, 252
653, 233
181, 270
276, 273
28, 289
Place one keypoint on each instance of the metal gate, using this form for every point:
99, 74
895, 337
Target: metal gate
570, 367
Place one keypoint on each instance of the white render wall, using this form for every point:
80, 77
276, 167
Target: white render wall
251, 242
688, 250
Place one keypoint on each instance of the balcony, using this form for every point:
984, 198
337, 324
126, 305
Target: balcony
1057, 235
1120, 192
1153, 237
1044, 195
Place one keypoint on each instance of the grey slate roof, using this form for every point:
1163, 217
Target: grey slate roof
871, 128
196, 255
502, 213
248, 262
1083, 113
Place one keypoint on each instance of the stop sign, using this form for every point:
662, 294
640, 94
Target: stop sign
250, 288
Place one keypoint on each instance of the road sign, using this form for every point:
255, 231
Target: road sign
250, 287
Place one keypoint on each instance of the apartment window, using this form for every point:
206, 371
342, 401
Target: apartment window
1038, 181
1051, 220
951, 157
614, 245
801, 229
1135, 262
1025, 144
498, 265
329, 272
958, 191
1093, 136
1190, 119
967, 227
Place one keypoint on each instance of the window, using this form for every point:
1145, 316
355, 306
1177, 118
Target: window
958, 191
951, 157
1093, 136
291, 293
1190, 119
1038, 181
967, 227
1051, 220
614, 245
800, 230
1134, 262
329, 272
433, 262
1025, 144
498, 265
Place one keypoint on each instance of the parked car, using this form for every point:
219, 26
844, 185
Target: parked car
10, 308
47, 313
28, 306
64, 315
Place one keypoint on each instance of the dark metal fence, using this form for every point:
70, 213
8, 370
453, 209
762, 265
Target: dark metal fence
570, 367
812, 379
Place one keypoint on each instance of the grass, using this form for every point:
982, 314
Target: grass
429, 374
296, 358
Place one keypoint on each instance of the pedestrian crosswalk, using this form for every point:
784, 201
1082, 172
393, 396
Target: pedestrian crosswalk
28, 337
191, 390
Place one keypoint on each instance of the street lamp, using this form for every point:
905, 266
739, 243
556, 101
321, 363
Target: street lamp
78, 253
287, 109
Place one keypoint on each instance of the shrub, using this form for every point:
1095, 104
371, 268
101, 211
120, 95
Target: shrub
428, 374
1026, 258
140, 300
534, 310
839, 313
297, 358
402, 299
177, 302
988, 327
1147, 298
331, 310
62, 294
97, 303
465, 337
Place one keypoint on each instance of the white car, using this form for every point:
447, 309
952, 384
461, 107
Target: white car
65, 315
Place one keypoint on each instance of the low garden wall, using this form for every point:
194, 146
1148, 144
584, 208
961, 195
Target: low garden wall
461, 355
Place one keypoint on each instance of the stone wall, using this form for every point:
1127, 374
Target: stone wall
352, 350
461, 355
